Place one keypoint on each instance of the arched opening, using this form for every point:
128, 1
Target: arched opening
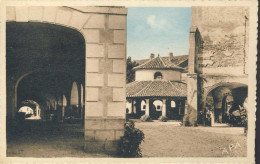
47, 61
43, 60
143, 105
173, 104
128, 107
74, 97
158, 76
158, 105
27, 110
64, 101
223, 103
73, 111
155, 108
30, 109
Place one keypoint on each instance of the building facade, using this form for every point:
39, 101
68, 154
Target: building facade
217, 78
158, 89
70, 56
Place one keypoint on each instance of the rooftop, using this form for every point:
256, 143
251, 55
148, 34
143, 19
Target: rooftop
156, 88
167, 62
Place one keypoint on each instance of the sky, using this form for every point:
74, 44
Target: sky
158, 30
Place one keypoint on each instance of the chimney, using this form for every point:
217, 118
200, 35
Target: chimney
151, 56
170, 55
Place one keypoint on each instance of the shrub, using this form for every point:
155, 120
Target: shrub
244, 118
163, 119
239, 118
128, 145
186, 121
146, 118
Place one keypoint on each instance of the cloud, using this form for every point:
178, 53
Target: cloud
155, 23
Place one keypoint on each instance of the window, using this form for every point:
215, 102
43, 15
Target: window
158, 105
173, 104
143, 105
158, 75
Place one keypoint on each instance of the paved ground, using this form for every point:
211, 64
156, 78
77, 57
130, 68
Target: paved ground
45, 139
170, 140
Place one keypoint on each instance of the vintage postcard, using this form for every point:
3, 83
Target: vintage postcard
128, 82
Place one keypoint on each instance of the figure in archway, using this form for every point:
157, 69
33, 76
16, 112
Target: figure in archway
227, 107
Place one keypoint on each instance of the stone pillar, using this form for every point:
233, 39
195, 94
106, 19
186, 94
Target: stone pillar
134, 106
212, 118
11, 99
191, 115
37, 110
164, 108
147, 108
105, 34
62, 113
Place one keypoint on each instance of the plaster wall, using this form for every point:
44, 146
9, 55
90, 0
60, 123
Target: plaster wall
224, 31
145, 75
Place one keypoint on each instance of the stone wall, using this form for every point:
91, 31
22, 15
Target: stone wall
104, 30
218, 53
224, 32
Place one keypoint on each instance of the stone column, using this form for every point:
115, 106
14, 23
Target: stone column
164, 108
105, 34
147, 108
62, 113
134, 106
37, 110
11, 97
191, 114
212, 118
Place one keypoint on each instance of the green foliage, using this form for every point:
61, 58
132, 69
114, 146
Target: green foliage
244, 118
163, 119
129, 144
130, 73
146, 118
239, 117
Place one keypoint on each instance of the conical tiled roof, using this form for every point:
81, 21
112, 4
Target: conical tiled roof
159, 63
156, 88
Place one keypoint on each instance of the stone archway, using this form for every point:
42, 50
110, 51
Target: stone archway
104, 32
221, 100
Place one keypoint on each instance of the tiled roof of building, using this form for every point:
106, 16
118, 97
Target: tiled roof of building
159, 63
175, 59
156, 88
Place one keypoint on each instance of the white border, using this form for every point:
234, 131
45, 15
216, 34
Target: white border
131, 3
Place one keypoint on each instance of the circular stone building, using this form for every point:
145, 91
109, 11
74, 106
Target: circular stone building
159, 88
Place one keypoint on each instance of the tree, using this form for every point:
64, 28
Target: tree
130, 73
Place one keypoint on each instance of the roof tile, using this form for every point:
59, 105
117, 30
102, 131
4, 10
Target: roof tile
156, 88
159, 63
